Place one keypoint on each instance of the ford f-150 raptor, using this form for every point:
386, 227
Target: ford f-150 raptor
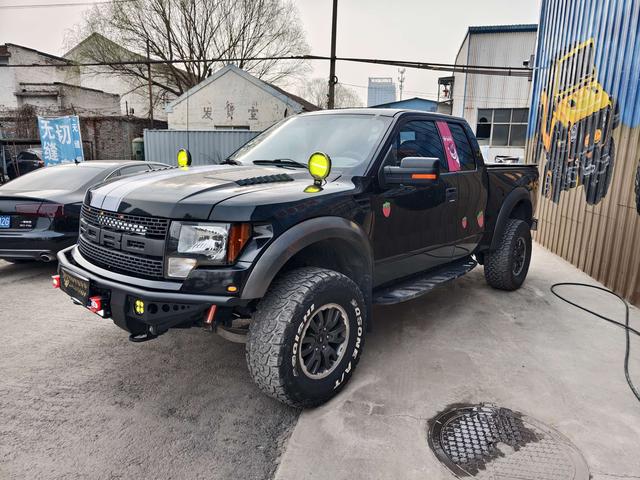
258, 250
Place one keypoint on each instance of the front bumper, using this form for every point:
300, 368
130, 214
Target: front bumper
163, 308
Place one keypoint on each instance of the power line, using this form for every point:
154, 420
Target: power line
447, 67
59, 4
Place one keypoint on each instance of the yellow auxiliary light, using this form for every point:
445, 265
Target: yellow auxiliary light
184, 158
139, 307
319, 167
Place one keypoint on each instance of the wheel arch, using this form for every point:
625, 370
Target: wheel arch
516, 205
328, 242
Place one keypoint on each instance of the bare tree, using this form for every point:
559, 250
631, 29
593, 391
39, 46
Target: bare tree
211, 31
317, 92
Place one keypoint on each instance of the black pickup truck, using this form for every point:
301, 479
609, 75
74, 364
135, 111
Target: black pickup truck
260, 251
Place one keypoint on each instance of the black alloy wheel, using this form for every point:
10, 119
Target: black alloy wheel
324, 341
519, 256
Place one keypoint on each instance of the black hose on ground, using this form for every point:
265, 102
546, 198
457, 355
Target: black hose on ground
628, 330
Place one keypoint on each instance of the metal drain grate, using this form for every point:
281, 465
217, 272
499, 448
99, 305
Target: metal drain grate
490, 442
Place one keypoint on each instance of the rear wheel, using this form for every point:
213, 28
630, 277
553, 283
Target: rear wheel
506, 267
306, 336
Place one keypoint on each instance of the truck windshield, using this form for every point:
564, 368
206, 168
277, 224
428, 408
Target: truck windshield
348, 139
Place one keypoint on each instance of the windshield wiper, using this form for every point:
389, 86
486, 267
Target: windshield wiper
230, 161
280, 162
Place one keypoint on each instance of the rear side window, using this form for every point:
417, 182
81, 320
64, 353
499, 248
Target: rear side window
63, 177
133, 169
465, 152
417, 138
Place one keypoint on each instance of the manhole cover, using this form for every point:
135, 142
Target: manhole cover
490, 442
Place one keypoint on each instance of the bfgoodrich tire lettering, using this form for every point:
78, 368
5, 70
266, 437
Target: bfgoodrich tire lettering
506, 267
277, 331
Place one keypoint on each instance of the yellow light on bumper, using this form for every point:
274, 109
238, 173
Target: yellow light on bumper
139, 307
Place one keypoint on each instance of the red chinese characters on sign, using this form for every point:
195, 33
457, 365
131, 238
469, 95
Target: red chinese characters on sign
450, 149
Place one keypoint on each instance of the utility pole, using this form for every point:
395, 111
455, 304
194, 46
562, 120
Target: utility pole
332, 65
401, 80
149, 84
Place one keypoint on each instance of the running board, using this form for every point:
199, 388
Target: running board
418, 285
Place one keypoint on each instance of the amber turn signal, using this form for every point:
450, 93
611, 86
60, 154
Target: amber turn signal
424, 176
238, 238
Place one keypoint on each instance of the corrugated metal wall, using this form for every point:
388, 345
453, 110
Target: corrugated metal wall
584, 131
206, 147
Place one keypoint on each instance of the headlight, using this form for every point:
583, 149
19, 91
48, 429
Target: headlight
192, 244
209, 241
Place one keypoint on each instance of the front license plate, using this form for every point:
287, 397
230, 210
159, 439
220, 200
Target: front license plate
5, 221
75, 286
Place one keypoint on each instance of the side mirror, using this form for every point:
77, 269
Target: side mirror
413, 171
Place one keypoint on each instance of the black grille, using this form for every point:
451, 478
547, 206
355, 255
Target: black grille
134, 224
121, 262
104, 233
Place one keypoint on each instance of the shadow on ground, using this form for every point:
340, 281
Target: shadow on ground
78, 400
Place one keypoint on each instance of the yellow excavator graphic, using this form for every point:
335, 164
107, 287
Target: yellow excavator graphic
576, 118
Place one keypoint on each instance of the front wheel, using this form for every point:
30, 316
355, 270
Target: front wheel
506, 267
306, 336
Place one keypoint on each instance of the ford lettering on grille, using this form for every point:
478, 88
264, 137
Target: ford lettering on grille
128, 244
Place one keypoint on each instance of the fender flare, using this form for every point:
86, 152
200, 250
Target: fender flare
299, 237
519, 194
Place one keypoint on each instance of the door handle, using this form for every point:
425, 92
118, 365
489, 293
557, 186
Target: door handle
451, 194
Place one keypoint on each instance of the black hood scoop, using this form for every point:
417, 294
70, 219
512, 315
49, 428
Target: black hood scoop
280, 177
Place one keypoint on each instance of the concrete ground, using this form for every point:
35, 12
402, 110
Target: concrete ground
79, 401
467, 343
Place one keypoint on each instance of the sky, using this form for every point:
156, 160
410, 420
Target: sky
415, 30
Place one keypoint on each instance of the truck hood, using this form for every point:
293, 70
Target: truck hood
189, 193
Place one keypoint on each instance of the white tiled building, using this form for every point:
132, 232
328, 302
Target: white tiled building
232, 99
53, 88
496, 107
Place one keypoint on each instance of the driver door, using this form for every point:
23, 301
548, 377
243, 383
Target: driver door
412, 224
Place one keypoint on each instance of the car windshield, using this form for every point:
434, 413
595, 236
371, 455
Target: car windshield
348, 139
64, 177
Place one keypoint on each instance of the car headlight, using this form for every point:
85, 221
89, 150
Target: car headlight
191, 244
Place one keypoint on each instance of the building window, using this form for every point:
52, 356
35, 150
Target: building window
502, 127
231, 127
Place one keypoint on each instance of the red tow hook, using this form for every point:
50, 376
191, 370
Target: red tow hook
209, 316
55, 280
95, 304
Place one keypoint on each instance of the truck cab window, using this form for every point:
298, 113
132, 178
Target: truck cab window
417, 138
465, 152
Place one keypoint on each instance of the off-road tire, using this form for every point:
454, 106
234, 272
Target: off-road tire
499, 264
276, 330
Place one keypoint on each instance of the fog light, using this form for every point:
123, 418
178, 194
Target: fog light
55, 281
180, 267
139, 307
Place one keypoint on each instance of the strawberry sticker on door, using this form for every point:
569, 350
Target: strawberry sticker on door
480, 218
464, 222
386, 209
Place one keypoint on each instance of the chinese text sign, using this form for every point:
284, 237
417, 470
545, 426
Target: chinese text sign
61, 140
